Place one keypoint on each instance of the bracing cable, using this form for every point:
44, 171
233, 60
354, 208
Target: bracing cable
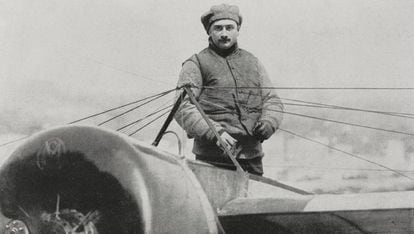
309, 88
119, 107
13, 141
350, 109
335, 168
328, 106
347, 153
321, 105
100, 113
345, 123
134, 108
299, 88
336, 149
323, 119
143, 118
399, 114
150, 122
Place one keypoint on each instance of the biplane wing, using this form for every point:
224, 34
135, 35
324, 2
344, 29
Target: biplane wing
80, 179
356, 213
272, 207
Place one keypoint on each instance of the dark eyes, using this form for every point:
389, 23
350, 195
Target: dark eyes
227, 27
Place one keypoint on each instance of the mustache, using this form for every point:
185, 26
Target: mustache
224, 40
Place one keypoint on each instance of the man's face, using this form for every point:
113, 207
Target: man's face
224, 33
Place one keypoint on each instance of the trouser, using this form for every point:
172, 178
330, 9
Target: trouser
251, 165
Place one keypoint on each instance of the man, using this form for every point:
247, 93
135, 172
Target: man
229, 84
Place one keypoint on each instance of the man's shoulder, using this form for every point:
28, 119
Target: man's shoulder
203, 52
194, 57
246, 53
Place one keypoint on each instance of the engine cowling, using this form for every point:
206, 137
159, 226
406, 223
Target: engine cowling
82, 179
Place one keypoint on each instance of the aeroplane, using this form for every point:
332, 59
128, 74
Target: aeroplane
86, 179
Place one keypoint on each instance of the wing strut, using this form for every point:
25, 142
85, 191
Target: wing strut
169, 119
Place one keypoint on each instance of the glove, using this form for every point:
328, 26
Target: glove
263, 130
228, 140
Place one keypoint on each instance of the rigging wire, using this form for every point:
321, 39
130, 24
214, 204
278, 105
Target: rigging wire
333, 148
143, 118
345, 123
15, 140
347, 153
100, 113
119, 107
308, 88
321, 119
329, 106
326, 105
154, 97
152, 121
156, 110
337, 168
350, 108
134, 108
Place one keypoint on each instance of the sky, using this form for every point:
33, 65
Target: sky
64, 60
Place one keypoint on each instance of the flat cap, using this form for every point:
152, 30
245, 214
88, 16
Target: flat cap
220, 12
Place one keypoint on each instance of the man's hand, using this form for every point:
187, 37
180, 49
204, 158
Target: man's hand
263, 130
228, 140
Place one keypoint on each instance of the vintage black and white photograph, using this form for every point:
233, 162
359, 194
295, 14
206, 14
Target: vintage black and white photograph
190, 116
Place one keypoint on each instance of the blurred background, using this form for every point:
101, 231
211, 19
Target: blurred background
63, 60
